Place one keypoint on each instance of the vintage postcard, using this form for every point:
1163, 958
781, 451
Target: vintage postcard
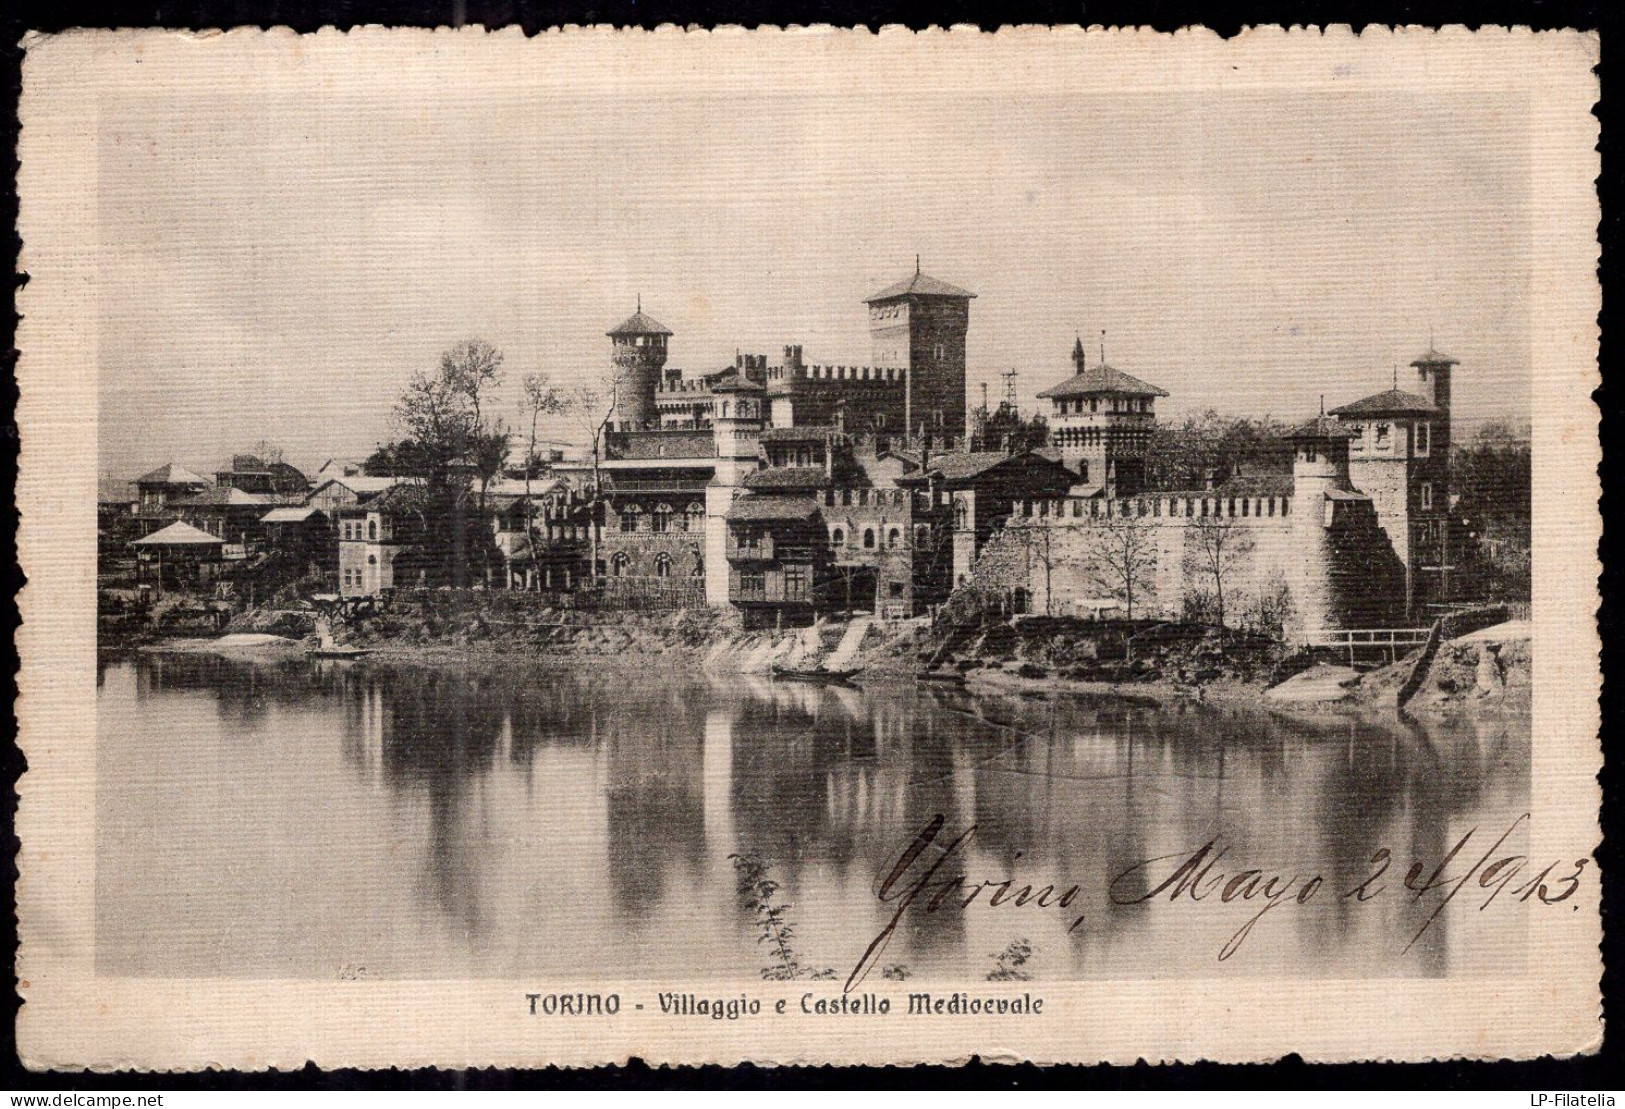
808, 546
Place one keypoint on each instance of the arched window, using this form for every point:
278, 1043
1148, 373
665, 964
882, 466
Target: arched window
629, 517
922, 535
692, 516
893, 538
662, 565
837, 538
868, 539
699, 566
372, 529
372, 560
662, 517
618, 564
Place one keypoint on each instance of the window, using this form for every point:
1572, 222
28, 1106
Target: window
880, 420
699, 567
1083, 470
922, 536
1427, 495
372, 529
795, 583
661, 517
837, 538
662, 565
618, 565
896, 588
1424, 436
753, 582
868, 539
629, 520
893, 538
1384, 437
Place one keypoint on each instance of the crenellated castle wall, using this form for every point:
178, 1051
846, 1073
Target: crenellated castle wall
1282, 568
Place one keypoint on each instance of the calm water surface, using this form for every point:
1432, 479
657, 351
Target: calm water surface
307, 820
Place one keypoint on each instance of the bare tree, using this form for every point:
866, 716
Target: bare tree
597, 406
268, 452
1123, 554
542, 398
1037, 542
1218, 544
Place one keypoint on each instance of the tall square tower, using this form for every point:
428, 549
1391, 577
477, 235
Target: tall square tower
919, 325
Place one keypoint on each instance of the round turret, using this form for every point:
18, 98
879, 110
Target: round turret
639, 354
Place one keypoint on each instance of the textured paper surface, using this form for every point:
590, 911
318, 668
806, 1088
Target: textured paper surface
78, 1012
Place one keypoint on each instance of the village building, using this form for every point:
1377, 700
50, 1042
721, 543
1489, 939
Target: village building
776, 558
333, 493
979, 490
251, 474
231, 515
157, 491
338, 467
371, 536
179, 556
543, 534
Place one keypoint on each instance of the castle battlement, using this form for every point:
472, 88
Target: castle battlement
688, 386
863, 497
1173, 507
873, 375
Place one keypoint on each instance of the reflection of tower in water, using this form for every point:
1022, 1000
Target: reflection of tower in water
654, 800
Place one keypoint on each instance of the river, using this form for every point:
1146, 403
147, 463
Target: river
302, 819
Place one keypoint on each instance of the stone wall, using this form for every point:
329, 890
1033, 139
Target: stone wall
1277, 570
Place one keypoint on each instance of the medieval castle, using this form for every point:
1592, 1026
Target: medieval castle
783, 489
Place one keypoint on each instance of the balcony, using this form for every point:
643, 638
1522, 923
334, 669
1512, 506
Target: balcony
754, 550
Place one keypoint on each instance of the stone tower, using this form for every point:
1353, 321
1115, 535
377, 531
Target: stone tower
639, 353
737, 416
919, 325
1320, 479
1430, 468
1397, 458
1101, 420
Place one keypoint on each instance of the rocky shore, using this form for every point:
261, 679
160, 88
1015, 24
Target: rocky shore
1487, 671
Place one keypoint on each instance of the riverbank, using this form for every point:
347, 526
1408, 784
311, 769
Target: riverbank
1484, 673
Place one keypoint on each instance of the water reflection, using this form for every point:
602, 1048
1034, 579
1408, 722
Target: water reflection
505, 820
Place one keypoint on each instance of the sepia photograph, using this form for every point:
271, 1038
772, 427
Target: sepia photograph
676, 527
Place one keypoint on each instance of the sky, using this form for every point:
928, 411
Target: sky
275, 263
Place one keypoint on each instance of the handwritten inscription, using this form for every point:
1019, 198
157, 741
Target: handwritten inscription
1197, 875
926, 877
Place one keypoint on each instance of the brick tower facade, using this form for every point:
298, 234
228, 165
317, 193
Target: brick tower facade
919, 325
639, 354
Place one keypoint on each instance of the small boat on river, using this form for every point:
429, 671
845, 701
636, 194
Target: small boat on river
820, 676
941, 677
339, 652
